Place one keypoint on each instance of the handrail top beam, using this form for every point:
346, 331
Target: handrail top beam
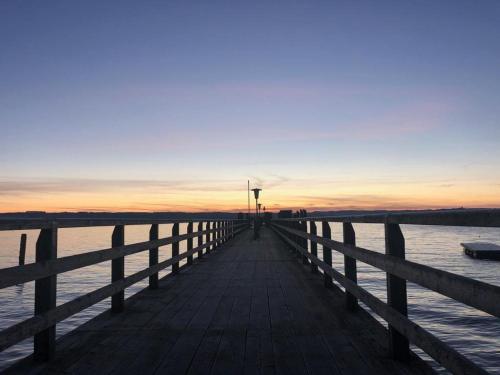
482, 217
20, 224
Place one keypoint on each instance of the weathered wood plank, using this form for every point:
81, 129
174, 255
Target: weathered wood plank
287, 356
258, 350
204, 357
231, 354
155, 341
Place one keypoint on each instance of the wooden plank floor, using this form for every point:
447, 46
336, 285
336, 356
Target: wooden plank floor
250, 307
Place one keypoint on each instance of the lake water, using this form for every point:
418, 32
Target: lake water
472, 333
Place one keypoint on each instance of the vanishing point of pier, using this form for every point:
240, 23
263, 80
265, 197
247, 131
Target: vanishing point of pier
243, 305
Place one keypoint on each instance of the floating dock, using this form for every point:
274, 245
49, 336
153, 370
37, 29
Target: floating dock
482, 250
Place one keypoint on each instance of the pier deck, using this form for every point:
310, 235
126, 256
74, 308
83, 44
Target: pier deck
249, 307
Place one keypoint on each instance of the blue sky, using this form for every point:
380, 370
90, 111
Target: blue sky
394, 103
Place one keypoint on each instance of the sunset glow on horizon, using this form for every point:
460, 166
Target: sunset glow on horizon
231, 196
174, 106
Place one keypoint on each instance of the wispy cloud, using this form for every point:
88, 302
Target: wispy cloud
61, 185
419, 117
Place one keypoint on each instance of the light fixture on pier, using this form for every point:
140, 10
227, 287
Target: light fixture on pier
256, 192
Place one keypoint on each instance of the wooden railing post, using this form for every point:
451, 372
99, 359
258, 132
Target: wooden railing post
214, 235
314, 245
396, 291
304, 241
118, 269
222, 229
200, 238
221, 233
218, 234
350, 265
175, 247
298, 239
291, 236
190, 243
153, 256
22, 249
207, 236
45, 294
327, 252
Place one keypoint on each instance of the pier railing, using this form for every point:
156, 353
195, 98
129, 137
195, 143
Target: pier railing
47, 266
297, 233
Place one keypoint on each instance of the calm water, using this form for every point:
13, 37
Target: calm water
474, 334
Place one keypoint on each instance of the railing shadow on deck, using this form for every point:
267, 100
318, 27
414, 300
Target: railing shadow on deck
47, 266
482, 296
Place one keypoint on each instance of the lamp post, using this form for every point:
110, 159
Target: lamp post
256, 223
260, 205
256, 192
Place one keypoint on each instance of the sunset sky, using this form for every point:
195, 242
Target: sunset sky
174, 105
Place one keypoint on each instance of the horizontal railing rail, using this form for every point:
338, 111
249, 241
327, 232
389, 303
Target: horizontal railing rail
478, 294
458, 217
47, 266
20, 224
296, 233
34, 271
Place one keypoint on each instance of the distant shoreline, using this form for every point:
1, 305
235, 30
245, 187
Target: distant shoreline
189, 215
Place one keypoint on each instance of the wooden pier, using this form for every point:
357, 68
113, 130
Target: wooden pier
241, 305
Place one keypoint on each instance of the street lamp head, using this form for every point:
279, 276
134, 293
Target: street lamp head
256, 192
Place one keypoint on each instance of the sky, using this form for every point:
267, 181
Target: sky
174, 105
